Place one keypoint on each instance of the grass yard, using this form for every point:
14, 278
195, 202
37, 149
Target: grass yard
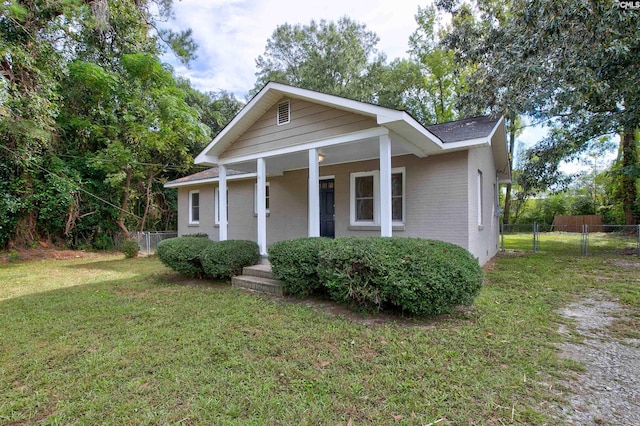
114, 341
570, 243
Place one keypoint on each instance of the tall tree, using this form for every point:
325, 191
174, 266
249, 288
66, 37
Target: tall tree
565, 60
339, 58
38, 39
443, 76
479, 39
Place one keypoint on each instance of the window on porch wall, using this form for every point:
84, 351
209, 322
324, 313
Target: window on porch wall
480, 213
217, 202
194, 207
255, 198
365, 197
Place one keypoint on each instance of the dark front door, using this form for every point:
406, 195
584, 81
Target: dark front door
327, 209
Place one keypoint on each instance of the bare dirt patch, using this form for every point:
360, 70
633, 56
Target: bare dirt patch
625, 263
48, 253
607, 392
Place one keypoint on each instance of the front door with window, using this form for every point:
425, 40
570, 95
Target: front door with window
327, 209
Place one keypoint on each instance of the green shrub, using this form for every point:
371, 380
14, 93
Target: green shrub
295, 263
103, 242
182, 254
227, 258
415, 276
130, 248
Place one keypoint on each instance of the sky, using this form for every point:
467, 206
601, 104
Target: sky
231, 34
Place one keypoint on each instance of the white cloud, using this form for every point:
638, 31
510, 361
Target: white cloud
231, 34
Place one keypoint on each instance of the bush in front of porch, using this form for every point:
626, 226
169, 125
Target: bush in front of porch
410, 275
295, 263
199, 257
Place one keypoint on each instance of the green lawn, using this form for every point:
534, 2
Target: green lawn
570, 243
114, 341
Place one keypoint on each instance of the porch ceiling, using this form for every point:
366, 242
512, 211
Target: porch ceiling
365, 149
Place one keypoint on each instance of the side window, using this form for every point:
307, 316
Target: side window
194, 207
217, 202
255, 198
480, 201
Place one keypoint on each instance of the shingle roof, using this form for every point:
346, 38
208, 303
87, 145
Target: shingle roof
461, 130
211, 173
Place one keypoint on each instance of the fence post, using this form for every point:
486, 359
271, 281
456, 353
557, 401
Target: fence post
148, 241
535, 237
502, 237
638, 233
585, 239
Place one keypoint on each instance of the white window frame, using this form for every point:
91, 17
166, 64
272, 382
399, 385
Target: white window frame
216, 197
480, 199
191, 220
376, 197
267, 192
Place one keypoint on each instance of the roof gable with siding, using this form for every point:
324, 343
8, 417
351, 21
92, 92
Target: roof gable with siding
309, 122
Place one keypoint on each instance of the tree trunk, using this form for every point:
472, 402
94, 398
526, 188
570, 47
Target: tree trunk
507, 204
629, 188
148, 202
26, 229
125, 203
507, 198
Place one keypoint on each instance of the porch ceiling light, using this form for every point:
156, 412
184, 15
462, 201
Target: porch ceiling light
320, 158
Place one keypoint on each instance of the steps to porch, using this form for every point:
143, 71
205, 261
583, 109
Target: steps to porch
258, 278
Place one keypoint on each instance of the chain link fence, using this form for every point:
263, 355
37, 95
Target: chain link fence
147, 241
591, 239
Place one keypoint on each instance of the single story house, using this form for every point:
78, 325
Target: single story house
296, 163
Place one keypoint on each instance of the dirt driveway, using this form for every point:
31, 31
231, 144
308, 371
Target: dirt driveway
607, 392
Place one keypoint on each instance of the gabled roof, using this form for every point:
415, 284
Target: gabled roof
466, 129
399, 121
410, 135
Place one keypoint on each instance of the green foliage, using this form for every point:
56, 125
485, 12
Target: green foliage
442, 75
86, 103
612, 215
130, 248
103, 242
224, 259
182, 254
295, 263
415, 276
560, 63
339, 58
543, 210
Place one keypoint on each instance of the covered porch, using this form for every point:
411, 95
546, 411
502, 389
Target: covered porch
377, 144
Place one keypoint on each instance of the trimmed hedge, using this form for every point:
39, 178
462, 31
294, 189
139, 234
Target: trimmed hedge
182, 254
295, 263
225, 259
198, 257
415, 276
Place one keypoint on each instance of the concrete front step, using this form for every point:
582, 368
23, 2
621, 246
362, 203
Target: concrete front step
263, 271
259, 284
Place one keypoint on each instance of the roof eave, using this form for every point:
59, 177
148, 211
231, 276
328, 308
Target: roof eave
175, 184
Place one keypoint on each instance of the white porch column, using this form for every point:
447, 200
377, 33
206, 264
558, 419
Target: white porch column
261, 194
314, 194
222, 201
386, 229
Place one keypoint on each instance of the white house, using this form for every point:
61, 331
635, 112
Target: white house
296, 163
